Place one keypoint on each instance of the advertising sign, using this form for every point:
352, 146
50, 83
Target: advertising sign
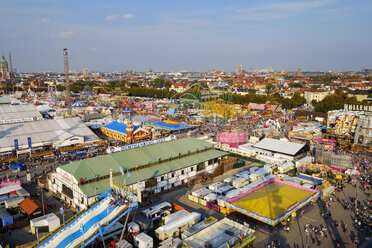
16, 144
354, 107
29, 142
146, 143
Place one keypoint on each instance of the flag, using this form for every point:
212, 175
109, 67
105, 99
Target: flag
128, 175
121, 170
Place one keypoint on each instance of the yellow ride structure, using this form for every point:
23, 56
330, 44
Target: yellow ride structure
222, 109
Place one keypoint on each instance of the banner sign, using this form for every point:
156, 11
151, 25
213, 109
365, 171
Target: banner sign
18, 120
16, 144
146, 143
353, 107
29, 142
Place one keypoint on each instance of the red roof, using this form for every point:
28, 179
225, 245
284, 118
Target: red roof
29, 206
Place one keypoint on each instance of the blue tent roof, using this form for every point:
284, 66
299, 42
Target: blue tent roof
310, 179
78, 104
5, 218
119, 127
16, 166
168, 126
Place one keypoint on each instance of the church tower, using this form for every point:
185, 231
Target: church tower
4, 70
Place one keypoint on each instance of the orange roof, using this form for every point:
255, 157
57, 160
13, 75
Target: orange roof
29, 206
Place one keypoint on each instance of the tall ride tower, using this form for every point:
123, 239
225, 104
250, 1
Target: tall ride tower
11, 71
68, 93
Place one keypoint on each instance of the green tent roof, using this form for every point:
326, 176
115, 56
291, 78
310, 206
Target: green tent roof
100, 166
143, 174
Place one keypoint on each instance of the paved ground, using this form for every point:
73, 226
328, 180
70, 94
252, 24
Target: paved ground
180, 196
22, 236
297, 237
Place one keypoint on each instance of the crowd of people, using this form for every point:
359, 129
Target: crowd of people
360, 211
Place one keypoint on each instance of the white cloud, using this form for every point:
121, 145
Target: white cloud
112, 17
299, 6
192, 21
272, 11
45, 20
93, 49
65, 35
261, 17
128, 16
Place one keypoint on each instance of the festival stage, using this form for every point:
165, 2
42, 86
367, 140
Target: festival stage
273, 201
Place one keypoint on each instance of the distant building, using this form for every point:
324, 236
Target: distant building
4, 70
85, 71
360, 95
239, 69
315, 94
299, 73
367, 72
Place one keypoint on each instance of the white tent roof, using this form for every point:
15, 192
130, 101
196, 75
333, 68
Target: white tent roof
10, 188
44, 220
279, 146
19, 113
43, 132
43, 108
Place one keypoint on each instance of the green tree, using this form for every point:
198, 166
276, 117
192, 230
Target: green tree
160, 83
298, 99
315, 87
269, 87
296, 85
335, 101
122, 84
112, 84
61, 87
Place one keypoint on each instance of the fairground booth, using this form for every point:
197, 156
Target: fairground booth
272, 201
232, 139
128, 132
171, 126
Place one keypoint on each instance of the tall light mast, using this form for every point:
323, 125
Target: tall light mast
11, 71
68, 93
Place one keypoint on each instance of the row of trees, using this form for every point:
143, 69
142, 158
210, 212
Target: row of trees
330, 102
149, 92
288, 103
334, 101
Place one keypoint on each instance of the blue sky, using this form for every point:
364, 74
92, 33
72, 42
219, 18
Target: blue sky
187, 35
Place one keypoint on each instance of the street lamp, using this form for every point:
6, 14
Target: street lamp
42, 200
37, 234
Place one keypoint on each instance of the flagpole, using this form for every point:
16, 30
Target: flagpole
101, 234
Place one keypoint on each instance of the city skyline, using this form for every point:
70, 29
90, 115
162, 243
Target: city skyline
192, 36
